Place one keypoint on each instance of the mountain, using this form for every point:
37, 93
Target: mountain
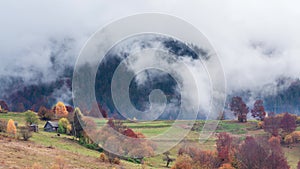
21, 96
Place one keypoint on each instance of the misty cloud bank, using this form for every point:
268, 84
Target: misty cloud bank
257, 43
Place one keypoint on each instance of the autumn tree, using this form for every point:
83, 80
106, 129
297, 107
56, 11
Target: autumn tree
251, 154
288, 123
261, 154
64, 126
61, 110
45, 114
298, 166
258, 110
272, 125
31, 117
239, 108
11, 128
224, 141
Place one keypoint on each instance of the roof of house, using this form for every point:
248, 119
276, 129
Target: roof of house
52, 123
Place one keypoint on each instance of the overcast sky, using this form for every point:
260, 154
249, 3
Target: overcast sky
257, 41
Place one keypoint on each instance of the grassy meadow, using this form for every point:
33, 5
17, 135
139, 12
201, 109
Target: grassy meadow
67, 146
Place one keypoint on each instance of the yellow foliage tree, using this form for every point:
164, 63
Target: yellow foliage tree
61, 110
11, 128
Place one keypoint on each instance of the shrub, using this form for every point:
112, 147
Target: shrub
103, 157
183, 162
116, 161
3, 125
25, 133
205, 159
260, 124
294, 137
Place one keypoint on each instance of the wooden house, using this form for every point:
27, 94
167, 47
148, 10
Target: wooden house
51, 126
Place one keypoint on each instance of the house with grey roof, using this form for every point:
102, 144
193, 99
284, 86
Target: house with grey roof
51, 126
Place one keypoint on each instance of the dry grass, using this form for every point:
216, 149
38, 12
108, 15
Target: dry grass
19, 154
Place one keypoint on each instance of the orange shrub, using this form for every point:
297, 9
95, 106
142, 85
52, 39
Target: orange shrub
103, 157
260, 124
183, 162
294, 137
116, 161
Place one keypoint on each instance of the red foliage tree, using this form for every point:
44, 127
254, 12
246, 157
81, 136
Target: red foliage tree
251, 154
45, 114
276, 161
258, 110
224, 142
70, 109
239, 108
272, 125
288, 123
298, 166
262, 154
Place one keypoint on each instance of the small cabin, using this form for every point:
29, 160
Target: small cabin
51, 126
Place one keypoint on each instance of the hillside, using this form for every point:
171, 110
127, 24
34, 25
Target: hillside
44, 148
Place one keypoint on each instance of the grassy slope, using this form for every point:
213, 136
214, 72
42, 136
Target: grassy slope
37, 150
150, 129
